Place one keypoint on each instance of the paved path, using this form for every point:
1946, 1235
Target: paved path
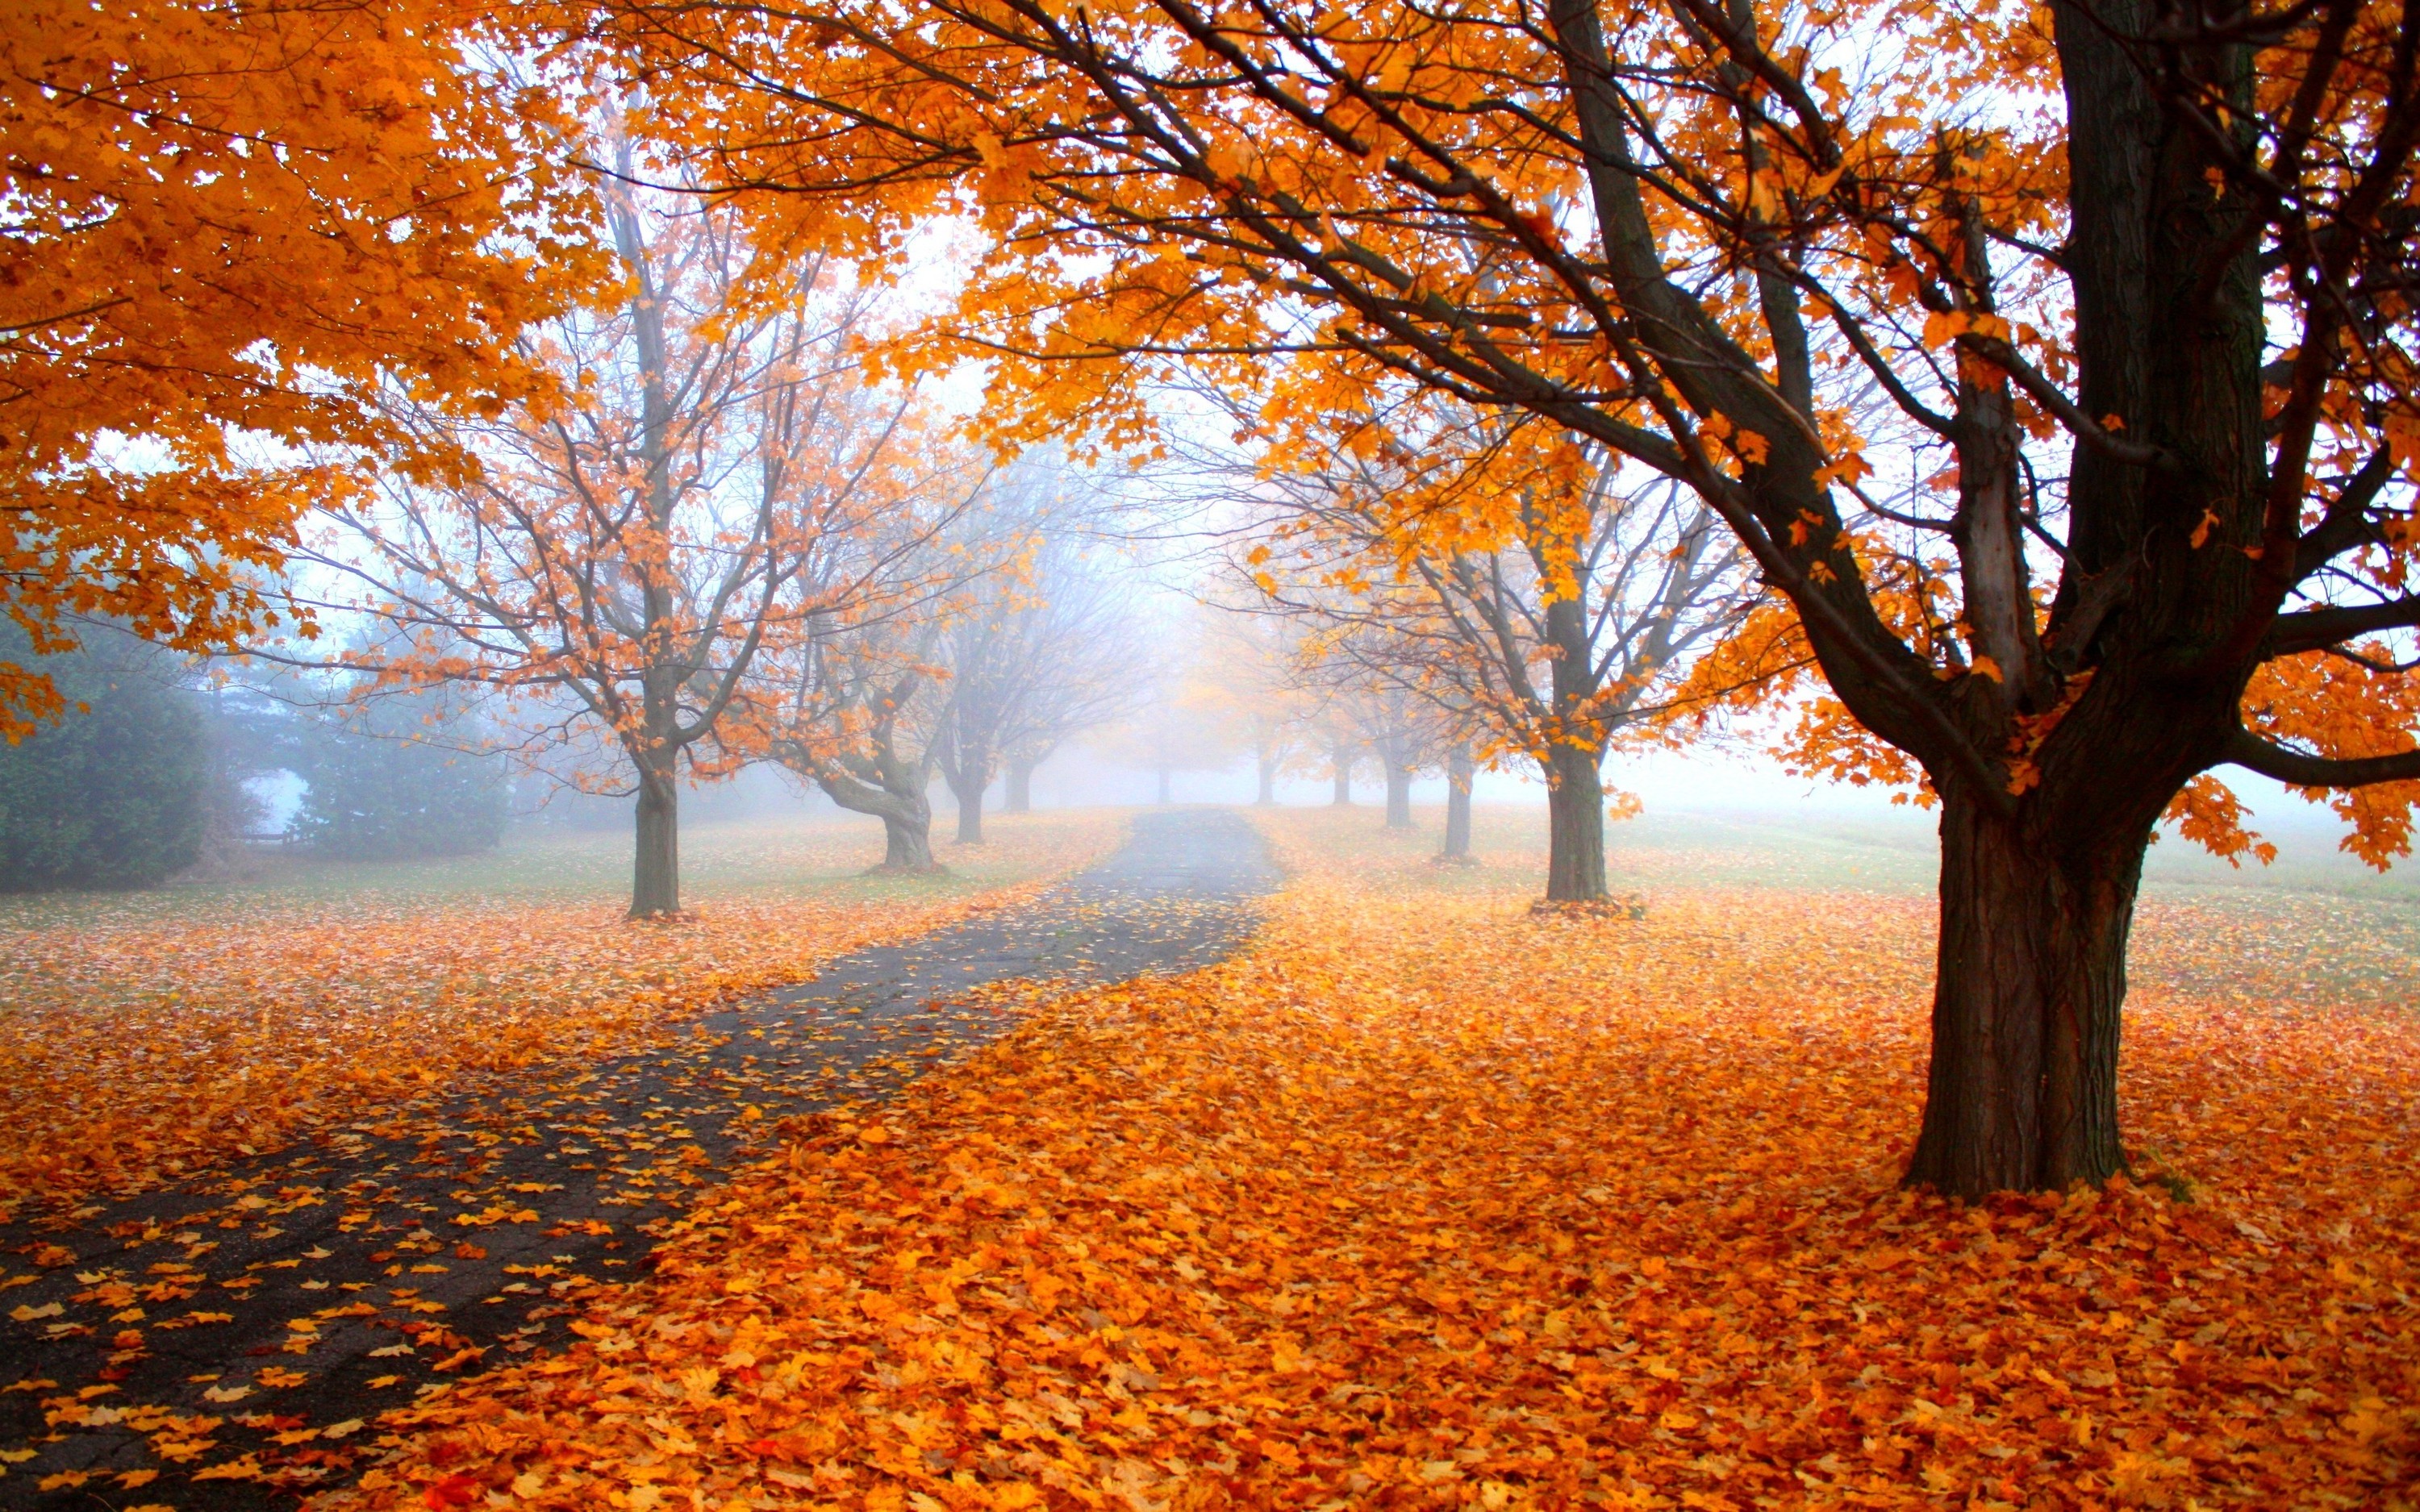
255, 1321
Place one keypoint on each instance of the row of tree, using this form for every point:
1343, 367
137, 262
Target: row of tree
2048, 368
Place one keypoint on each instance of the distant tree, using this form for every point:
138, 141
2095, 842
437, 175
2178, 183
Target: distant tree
398, 777
117, 794
1038, 649
862, 723
1570, 611
613, 565
1247, 680
856, 698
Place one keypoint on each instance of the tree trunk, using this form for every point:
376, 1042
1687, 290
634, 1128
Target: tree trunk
1019, 795
1457, 804
2031, 975
969, 791
1340, 768
908, 843
1574, 826
1167, 786
655, 874
1267, 797
1399, 796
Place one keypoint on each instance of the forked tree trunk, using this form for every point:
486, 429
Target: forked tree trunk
2030, 979
1018, 797
1267, 797
908, 843
1574, 826
1399, 796
655, 873
1457, 804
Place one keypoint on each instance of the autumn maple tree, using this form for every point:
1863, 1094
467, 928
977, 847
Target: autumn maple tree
1523, 589
228, 226
612, 563
2130, 278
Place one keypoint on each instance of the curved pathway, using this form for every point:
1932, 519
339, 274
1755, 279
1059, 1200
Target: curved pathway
231, 1341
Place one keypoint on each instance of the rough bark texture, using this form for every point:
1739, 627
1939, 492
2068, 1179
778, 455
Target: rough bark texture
655, 873
1457, 804
908, 843
1575, 825
1018, 794
1399, 796
2032, 973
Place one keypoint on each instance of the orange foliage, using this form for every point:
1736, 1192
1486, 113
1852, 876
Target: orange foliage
236, 219
138, 1048
1427, 1202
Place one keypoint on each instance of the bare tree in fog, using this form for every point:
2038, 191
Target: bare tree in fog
1039, 649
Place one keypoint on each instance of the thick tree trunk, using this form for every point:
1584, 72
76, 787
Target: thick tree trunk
1458, 771
1267, 797
1399, 796
1574, 826
655, 873
1018, 798
1339, 762
908, 843
2032, 973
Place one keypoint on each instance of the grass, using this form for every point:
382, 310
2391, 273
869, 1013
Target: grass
2315, 928
787, 856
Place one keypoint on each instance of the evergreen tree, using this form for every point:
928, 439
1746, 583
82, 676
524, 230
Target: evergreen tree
401, 779
116, 793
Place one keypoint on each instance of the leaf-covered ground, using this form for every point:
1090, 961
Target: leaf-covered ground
223, 1341
1427, 1202
144, 1035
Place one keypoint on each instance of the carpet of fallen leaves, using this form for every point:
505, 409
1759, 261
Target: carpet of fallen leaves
1427, 1202
143, 1037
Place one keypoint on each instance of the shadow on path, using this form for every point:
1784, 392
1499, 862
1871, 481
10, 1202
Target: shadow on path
226, 1341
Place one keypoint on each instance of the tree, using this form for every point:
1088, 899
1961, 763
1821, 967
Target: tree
2131, 279
1560, 610
396, 776
615, 564
116, 795
1038, 648
235, 222
857, 701
860, 723
1247, 681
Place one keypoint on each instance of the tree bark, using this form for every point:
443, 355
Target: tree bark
908, 843
1340, 770
655, 874
1458, 771
1267, 797
1018, 797
2031, 974
967, 788
1575, 825
1399, 796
